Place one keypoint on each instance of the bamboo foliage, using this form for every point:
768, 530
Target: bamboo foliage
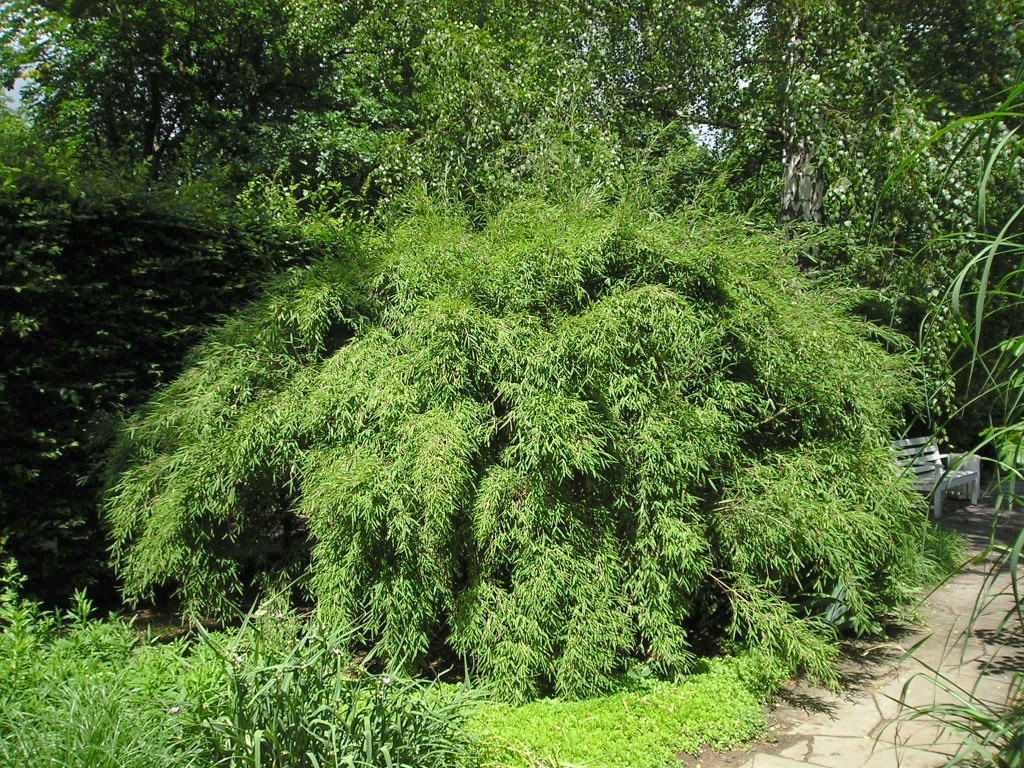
575, 435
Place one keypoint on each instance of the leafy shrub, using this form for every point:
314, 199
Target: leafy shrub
70, 694
577, 435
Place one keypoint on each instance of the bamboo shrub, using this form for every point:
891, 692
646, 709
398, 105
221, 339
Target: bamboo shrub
570, 437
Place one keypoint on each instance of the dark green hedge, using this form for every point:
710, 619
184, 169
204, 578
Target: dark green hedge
103, 282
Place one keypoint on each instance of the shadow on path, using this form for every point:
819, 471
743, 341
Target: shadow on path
964, 639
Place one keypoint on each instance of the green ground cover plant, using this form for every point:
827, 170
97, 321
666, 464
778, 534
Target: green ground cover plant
643, 725
563, 438
76, 690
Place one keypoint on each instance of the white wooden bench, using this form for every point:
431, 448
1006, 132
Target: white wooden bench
935, 473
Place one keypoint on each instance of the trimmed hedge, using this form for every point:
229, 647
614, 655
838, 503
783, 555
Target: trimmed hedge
103, 282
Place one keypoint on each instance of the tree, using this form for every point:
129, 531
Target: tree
790, 84
164, 80
826, 99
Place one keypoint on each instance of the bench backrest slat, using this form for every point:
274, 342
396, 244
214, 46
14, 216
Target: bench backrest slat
918, 455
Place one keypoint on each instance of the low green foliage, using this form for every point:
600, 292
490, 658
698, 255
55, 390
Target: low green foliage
643, 726
578, 435
76, 691
291, 698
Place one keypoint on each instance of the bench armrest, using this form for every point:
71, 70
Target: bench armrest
968, 462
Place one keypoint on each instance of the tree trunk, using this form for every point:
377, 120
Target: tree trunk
151, 148
803, 184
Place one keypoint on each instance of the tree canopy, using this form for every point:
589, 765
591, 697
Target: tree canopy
623, 396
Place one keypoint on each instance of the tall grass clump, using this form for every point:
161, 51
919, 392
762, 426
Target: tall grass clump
569, 436
72, 695
985, 302
293, 698
79, 691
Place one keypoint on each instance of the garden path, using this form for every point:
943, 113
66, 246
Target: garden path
865, 726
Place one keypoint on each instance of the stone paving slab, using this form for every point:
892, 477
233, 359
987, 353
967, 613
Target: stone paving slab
871, 724
905, 759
